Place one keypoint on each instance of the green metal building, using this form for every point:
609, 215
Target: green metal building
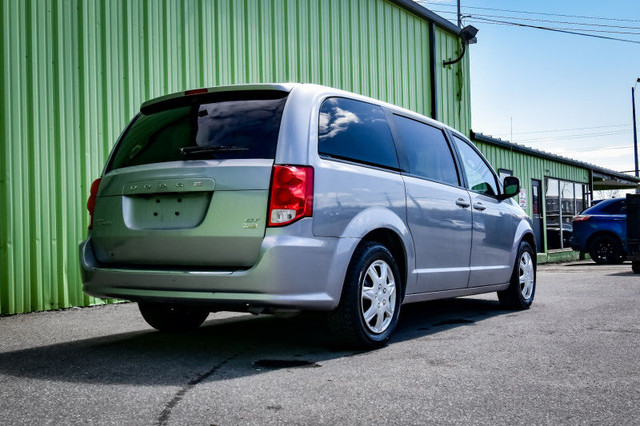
553, 190
74, 72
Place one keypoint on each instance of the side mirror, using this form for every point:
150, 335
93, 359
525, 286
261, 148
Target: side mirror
511, 187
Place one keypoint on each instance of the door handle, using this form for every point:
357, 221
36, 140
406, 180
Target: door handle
479, 206
462, 203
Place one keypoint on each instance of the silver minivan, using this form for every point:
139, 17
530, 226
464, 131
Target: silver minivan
281, 197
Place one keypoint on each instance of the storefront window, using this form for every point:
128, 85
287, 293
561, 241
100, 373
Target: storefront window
563, 200
581, 197
568, 200
552, 203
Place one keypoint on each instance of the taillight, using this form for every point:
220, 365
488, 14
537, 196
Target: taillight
91, 203
581, 218
196, 92
291, 195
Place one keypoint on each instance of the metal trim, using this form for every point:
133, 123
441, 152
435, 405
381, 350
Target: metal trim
430, 16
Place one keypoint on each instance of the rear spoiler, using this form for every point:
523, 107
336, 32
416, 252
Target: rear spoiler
216, 94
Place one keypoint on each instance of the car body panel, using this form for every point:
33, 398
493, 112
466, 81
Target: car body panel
599, 222
441, 230
198, 213
494, 231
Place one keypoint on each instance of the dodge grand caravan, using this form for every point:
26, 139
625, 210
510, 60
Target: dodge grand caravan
274, 197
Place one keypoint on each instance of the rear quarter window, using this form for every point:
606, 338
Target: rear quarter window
616, 207
357, 131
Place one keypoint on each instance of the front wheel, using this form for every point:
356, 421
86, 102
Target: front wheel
172, 318
522, 289
370, 303
635, 266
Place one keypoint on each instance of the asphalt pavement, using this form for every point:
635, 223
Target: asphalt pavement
573, 358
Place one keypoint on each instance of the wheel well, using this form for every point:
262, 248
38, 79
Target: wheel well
600, 234
532, 242
393, 243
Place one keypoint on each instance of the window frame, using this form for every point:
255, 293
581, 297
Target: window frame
402, 152
482, 157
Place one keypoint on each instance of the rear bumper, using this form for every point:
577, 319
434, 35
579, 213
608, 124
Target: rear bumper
295, 270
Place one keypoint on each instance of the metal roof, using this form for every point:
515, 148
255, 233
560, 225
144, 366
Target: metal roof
553, 157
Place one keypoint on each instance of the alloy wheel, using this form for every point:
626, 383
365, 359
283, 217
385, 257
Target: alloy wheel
527, 276
378, 296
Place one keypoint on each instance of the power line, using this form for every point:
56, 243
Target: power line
569, 30
558, 30
576, 136
566, 130
526, 12
479, 18
601, 148
583, 24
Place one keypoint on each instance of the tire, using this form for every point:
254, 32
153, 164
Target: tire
371, 298
635, 266
522, 289
172, 318
605, 249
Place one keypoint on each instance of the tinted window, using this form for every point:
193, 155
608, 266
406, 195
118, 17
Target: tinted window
356, 131
616, 207
427, 150
479, 175
217, 130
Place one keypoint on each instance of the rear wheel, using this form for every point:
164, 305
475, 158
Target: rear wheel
635, 266
172, 318
520, 293
370, 303
605, 249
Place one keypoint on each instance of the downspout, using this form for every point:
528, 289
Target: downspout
433, 70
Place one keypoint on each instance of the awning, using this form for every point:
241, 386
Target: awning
603, 181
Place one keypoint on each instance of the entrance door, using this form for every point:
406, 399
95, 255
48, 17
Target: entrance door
536, 188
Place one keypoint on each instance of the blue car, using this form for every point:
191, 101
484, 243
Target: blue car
601, 231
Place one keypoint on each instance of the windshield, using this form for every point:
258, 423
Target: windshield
246, 128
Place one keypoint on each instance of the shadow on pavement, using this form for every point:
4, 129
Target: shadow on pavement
243, 343
629, 273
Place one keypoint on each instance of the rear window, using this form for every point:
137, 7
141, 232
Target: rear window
357, 131
227, 129
615, 207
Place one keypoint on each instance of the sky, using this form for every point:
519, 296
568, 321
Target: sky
565, 94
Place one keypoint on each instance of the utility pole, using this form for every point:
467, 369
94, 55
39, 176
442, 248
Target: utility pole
460, 19
635, 133
511, 140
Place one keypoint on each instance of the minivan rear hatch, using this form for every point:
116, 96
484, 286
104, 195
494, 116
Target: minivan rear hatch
188, 182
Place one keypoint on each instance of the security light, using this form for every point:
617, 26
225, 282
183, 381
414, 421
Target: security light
468, 36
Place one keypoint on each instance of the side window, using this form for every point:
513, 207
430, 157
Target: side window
357, 131
428, 153
479, 175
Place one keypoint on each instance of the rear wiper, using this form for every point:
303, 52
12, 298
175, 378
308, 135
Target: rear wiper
194, 150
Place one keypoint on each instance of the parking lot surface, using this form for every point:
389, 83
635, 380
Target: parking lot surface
574, 357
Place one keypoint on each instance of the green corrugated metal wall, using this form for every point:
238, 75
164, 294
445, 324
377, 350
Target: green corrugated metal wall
454, 105
74, 72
